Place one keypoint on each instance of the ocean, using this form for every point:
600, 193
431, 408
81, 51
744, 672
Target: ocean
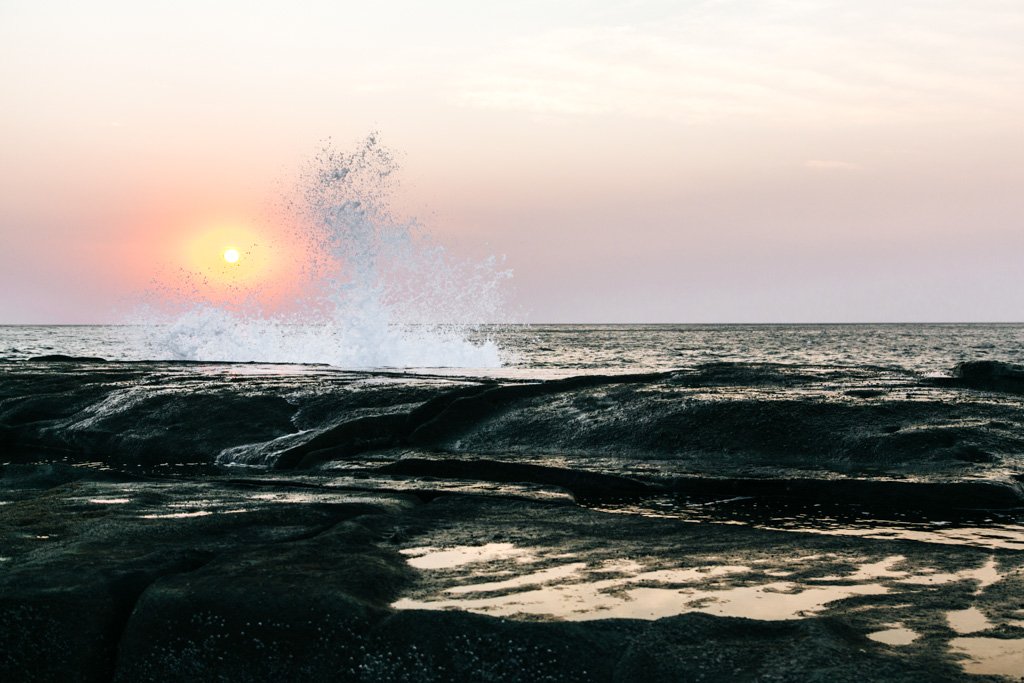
558, 350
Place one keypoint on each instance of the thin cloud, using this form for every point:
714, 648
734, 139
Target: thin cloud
776, 62
832, 165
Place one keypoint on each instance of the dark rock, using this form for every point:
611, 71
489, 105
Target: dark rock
73, 572
698, 420
44, 476
989, 374
585, 486
700, 647
876, 493
153, 429
987, 370
301, 592
739, 374
347, 439
296, 611
865, 393
971, 453
64, 622
466, 410
457, 646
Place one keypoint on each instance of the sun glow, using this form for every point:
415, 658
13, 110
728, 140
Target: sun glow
228, 255
229, 263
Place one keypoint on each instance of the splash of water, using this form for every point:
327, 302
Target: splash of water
375, 290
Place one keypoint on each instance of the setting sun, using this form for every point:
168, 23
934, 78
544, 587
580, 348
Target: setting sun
228, 262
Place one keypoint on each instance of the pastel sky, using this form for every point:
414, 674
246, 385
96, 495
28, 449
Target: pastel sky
686, 161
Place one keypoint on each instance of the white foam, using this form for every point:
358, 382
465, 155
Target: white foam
211, 334
376, 291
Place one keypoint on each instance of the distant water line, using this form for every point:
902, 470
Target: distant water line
536, 350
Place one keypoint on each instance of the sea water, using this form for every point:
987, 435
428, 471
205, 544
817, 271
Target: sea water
550, 350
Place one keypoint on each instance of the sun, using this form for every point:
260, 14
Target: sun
231, 255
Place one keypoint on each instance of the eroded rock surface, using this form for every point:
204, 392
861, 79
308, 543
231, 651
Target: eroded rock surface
723, 523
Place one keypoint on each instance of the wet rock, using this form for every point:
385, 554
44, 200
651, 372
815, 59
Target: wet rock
585, 486
459, 646
990, 374
290, 612
865, 393
741, 374
879, 494
721, 420
467, 410
971, 453
44, 476
169, 428
74, 568
63, 620
191, 577
347, 439
244, 588
699, 647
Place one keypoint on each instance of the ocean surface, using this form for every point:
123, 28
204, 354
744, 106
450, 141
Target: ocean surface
545, 351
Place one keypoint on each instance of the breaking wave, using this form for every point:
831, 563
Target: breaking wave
211, 334
372, 288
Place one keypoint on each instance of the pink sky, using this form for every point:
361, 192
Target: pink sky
708, 161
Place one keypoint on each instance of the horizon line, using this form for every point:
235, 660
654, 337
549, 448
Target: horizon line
591, 323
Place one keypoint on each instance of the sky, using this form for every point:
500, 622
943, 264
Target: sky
690, 161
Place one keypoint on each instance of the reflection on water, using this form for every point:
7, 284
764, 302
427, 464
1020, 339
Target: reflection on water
504, 580
871, 571
435, 558
896, 635
969, 620
983, 529
626, 588
887, 568
991, 656
177, 515
576, 591
612, 599
541, 577
985, 575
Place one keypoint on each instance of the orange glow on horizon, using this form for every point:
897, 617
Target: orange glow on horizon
217, 252
228, 263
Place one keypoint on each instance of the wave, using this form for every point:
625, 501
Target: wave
369, 289
210, 334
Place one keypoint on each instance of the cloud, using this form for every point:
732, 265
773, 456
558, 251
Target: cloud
831, 165
777, 60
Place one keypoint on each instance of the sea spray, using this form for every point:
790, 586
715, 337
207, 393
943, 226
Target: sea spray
371, 289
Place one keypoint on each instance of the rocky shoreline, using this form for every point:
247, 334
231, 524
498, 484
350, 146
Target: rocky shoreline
156, 579
415, 528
